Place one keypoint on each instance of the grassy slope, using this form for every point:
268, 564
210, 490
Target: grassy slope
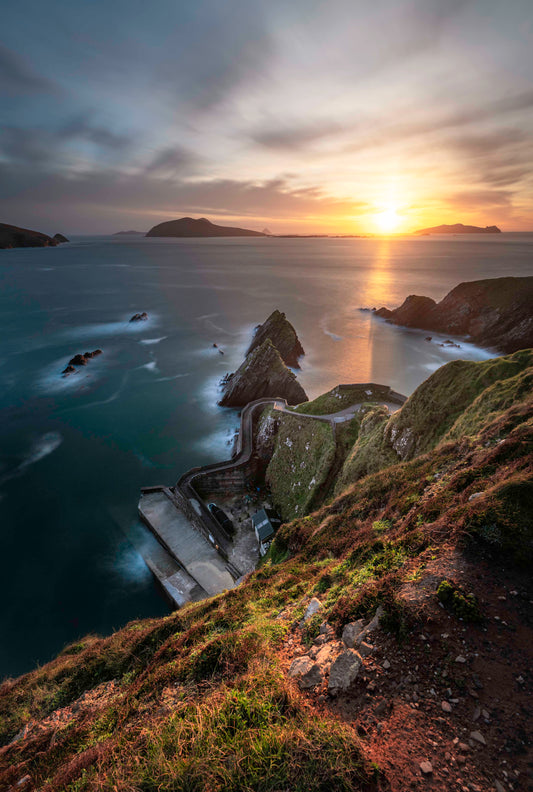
302, 458
433, 409
199, 699
336, 400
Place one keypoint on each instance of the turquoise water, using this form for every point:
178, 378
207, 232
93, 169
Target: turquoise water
76, 450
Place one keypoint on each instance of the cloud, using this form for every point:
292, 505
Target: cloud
18, 78
172, 161
294, 137
100, 196
82, 128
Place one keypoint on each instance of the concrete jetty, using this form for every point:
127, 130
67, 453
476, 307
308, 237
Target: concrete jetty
194, 553
197, 562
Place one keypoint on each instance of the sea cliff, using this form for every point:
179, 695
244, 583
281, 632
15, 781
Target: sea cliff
393, 607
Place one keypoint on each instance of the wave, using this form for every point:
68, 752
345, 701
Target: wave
111, 328
152, 366
42, 447
174, 377
324, 328
149, 341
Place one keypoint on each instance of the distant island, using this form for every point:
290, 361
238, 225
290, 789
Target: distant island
129, 233
459, 228
189, 227
14, 237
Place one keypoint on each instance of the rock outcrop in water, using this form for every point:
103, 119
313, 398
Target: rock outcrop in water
139, 317
495, 312
14, 237
80, 360
60, 239
262, 374
191, 227
283, 335
459, 228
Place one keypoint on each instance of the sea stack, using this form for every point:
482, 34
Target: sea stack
263, 374
283, 335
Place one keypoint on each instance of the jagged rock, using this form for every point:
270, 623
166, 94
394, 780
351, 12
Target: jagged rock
78, 360
478, 737
344, 670
307, 673
326, 629
351, 631
263, 374
426, 768
372, 625
494, 312
283, 336
139, 317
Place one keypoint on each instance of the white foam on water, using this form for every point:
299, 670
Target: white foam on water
42, 447
326, 331
51, 380
152, 366
150, 341
130, 566
98, 330
174, 377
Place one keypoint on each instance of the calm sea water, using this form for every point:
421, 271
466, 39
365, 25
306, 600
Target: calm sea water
74, 452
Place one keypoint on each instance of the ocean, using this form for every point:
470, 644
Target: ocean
75, 451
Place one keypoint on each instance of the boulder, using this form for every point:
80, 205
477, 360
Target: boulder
283, 336
307, 673
139, 317
344, 670
351, 631
263, 374
313, 607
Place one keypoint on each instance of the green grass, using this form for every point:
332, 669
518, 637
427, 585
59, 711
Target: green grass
338, 399
303, 454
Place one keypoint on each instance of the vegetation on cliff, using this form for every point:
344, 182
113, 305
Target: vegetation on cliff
201, 699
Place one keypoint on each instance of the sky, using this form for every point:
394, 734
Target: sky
333, 116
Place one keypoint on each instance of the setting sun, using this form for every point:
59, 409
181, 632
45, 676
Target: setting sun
388, 220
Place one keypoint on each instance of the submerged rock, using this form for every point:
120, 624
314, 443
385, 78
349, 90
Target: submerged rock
263, 374
283, 335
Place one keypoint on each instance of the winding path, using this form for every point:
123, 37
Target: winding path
179, 518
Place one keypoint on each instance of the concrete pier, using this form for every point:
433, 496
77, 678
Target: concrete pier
195, 554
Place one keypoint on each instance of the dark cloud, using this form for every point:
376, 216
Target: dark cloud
18, 78
172, 161
294, 137
83, 128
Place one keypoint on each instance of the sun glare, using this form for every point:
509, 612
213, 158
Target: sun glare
388, 220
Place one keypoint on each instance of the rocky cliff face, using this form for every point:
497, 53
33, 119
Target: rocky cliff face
495, 312
283, 335
14, 237
262, 374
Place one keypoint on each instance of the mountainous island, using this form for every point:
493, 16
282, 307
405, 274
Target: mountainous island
129, 233
14, 237
459, 228
190, 227
495, 312
383, 643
